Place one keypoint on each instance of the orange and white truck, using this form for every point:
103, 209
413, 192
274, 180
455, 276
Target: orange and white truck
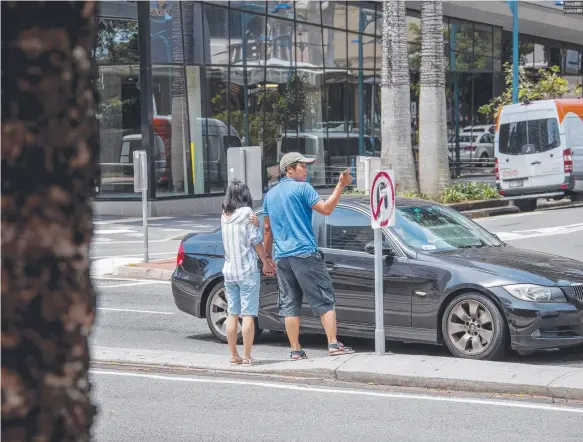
539, 151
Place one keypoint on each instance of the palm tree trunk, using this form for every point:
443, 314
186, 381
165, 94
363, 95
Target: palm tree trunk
50, 148
396, 150
434, 174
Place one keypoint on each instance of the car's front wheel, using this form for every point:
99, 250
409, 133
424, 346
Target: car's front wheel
474, 328
216, 315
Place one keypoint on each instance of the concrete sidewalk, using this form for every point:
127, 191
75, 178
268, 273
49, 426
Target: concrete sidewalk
442, 373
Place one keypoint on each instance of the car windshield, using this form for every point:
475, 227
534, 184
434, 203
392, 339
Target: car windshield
434, 228
531, 136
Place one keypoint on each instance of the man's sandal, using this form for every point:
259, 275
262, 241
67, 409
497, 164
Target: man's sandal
339, 348
296, 355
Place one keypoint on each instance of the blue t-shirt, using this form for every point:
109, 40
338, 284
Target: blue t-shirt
289, 208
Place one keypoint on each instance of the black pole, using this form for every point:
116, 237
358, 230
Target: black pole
146, 95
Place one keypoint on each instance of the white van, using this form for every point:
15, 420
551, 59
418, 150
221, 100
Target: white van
539, 151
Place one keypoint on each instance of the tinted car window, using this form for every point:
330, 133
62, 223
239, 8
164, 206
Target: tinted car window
348, 230
436, 228
527, 137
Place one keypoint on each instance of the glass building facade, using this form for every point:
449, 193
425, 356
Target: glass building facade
286, 76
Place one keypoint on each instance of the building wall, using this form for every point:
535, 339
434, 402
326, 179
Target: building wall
285, 77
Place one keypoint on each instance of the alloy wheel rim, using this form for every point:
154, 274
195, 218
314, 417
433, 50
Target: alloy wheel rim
219, 312
470, 327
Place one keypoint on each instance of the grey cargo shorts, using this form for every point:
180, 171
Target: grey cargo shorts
298, 276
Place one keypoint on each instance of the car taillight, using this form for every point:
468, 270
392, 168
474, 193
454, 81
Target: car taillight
496, 170
180, 256
470, 148
568, 160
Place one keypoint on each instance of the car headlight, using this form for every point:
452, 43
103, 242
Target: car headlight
536, 293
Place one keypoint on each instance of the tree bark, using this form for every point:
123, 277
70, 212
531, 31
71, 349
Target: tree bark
49, 162
434, 174
396, 152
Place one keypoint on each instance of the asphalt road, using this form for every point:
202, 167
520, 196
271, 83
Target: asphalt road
142, 314
147, 407
558, 231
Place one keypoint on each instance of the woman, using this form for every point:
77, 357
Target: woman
243, 243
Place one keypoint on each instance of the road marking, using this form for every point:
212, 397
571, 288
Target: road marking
129, 220
112, 231
537, 233
131, 284
496, 403
134, 311
113, 278
137, 254
169, 238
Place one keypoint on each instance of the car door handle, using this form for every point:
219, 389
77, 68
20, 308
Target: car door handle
535, 163
331, 266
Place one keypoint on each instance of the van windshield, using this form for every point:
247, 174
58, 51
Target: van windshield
530, 136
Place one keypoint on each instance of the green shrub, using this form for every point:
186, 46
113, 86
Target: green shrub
460, 192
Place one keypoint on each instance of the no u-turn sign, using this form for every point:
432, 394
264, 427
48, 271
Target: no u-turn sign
382, 199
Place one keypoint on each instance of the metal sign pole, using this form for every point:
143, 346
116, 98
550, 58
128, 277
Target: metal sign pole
145, 222
382, 207
379, 332
141, 185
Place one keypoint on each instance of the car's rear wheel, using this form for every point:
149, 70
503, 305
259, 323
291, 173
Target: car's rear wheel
474, 328
216, 315
484, 159
526, 205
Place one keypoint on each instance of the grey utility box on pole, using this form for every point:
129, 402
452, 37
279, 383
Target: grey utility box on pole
141, 186
244, 163
365, 167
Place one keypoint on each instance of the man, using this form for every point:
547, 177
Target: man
300, 264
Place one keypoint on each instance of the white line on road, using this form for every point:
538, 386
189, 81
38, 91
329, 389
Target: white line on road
129, 220
131, 284
134, 311
112, 278
137, 254
510, 404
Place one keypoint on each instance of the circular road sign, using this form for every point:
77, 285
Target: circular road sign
382, 199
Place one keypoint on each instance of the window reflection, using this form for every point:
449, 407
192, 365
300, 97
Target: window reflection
117, 41
308, 11
279, 41
308, 45
171, 124
217, 19
247, 43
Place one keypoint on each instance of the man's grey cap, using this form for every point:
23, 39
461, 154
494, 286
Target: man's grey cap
293, 157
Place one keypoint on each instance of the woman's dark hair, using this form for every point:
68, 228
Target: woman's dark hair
238, 195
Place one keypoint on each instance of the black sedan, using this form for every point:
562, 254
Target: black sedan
446, 281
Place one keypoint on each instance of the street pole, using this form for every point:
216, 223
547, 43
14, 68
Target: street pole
145, 222
515, 51
379, 332
360, 86
513, 5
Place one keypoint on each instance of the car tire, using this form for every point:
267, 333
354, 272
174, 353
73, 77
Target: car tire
484, 158
484, 333
216, 315
577, 197
526, 205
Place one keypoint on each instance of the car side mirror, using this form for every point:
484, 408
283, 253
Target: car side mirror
387, 251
